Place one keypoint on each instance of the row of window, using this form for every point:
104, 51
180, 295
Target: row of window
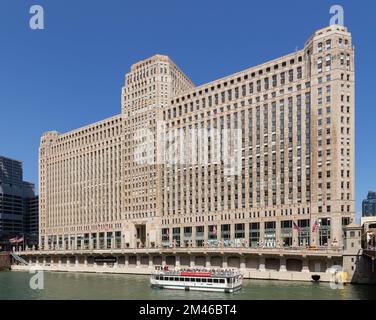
189, 279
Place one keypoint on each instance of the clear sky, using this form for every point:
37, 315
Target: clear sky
70, 74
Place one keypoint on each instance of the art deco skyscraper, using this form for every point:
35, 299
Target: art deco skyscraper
291, 137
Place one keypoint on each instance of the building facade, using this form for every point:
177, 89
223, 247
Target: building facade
368, 221
260, 158
31, 221
369, 205
15, 198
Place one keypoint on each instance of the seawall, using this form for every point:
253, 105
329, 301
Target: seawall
276, 264
5, 261
145, 270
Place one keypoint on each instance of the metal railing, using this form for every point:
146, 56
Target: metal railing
19, 259
206, 248
216, 272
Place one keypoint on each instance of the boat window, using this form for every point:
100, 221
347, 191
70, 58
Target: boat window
176, 279
215, 280
222, 280
210, 280
204, 280
171, 278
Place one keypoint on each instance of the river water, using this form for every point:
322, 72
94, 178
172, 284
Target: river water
71, 286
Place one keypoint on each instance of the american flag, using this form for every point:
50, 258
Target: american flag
13, 240
295, 226
16, 240
315, 226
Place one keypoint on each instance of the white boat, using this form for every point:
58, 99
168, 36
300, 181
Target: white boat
220, 280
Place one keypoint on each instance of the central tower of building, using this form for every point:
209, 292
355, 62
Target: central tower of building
149, 88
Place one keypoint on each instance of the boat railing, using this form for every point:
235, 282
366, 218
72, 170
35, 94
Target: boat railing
229, 272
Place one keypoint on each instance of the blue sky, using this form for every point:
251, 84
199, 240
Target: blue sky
71, 73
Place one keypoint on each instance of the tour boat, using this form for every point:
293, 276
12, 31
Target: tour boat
220, 280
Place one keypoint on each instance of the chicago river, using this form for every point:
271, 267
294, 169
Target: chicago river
72, 286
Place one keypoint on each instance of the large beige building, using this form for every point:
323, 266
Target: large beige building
260, 158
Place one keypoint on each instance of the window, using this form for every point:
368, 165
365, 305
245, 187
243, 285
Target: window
274, 80
328, 62
270, 234
282, 78
319, 47
299, 72
324, 231
319, 65
328, 44
239, 231
304, 232
254, 234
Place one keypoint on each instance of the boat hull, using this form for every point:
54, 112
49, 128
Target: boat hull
215, 280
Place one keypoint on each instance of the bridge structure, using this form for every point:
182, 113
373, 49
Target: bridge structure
370, 253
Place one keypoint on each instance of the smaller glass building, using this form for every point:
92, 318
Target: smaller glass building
369, 205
